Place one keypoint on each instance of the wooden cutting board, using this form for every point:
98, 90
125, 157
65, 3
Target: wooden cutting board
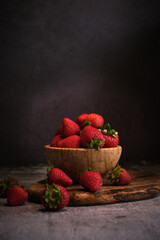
144, 185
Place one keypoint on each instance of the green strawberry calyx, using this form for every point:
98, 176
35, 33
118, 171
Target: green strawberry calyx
115, 174
106, 129
6, 184
95, 143
85, 123
52, 196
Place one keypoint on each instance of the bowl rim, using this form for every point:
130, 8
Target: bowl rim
81, 149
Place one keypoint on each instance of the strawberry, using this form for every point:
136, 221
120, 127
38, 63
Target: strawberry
57, 176
119, 176
110, 135
54, 197
56, 140
94, 120
111, 141
91, 180
91, 138
70, 128
70, 142
6, 184
59, 131
16, 196
80, 119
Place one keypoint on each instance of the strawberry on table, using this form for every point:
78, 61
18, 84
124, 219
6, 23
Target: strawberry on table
57, 176
91, 138
6, 184
119, 176
70, 142
70, 128
110, 135
56, 140
80, 119
91, 180
54, 197
16, 196
94, 120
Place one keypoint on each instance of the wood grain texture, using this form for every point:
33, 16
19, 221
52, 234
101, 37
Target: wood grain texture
74, 161
144, 185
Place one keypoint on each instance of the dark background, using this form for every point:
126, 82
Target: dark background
63, 58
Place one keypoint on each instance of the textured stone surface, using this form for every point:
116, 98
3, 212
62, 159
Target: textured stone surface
134, 220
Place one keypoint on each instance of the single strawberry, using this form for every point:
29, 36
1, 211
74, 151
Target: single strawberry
110, 135
93, 120
91, 180
59, 131
80, 119
6, 184
70, 128
16, 196
119, 176
56, 140
111, 141
91, 138
57, 176
70, 142
54, 197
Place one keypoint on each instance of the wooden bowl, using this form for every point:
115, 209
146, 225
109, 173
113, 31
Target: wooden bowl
74, 161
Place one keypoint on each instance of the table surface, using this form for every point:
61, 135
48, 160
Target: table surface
133, 220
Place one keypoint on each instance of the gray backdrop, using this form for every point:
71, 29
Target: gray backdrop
63, 58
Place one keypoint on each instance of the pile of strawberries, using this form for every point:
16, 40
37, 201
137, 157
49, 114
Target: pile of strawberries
87, 131
54, 196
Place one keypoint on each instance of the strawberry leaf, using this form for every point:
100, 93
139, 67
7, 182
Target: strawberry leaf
95, 143
106, 129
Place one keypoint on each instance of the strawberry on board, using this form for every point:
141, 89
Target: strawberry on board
57, 176
16, 196
56, 140
70, 128
110, 135
119, 176
92, 138
91, 180
6, 184
70, 142
80, 119
94, 120
54, 197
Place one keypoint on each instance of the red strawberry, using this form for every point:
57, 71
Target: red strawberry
57, 176
6, 184
54, 197
91, 138
56, 140
80, 119
111, 141
94, 120
119, 176
70, 142
70, 128
59, 131
110, 135
91, 180
16, 196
